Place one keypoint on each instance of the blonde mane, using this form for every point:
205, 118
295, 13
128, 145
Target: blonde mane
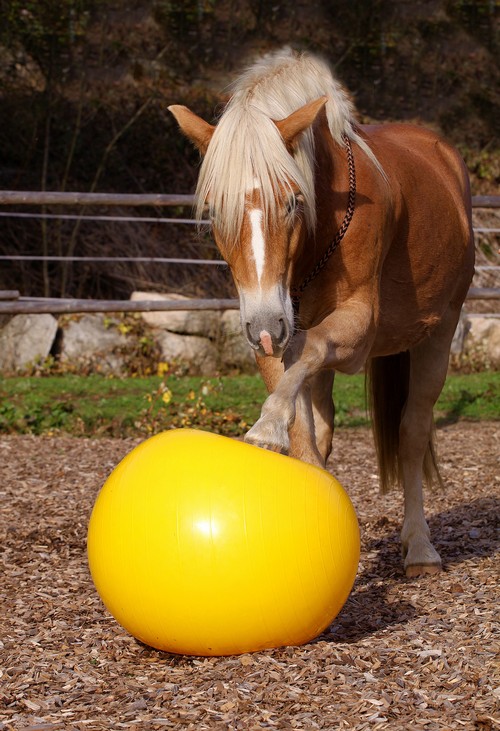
246, 150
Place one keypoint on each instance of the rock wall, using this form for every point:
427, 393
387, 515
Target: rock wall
204, 342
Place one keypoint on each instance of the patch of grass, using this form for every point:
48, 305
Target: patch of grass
350, 405
96, 405
474, 397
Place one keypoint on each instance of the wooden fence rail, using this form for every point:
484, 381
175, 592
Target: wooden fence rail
32, 306
12, 305
49, 198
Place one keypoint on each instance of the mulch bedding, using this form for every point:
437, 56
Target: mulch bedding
402, 654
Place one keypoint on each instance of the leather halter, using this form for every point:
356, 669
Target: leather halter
297, 292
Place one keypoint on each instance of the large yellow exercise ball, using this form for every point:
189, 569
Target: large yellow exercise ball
202, 545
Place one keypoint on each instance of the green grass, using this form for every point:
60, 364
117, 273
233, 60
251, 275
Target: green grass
474, 397
96, 405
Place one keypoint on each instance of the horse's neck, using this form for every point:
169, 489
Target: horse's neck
332, 190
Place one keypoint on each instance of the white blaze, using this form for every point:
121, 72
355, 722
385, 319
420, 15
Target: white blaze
258, 247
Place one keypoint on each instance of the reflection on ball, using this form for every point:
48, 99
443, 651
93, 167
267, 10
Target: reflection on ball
203, 545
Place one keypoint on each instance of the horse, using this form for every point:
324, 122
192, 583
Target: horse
351, 249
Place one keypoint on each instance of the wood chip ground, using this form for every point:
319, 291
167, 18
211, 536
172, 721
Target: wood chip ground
403, 654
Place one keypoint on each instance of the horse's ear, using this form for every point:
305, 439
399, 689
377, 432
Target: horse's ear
298, 121
194, 127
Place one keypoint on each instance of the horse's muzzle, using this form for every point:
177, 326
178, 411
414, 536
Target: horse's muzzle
269, 339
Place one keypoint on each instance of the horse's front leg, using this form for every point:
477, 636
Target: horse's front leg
312, 431
279, 411
340, 342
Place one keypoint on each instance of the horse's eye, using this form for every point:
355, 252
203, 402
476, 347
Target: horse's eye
291, 204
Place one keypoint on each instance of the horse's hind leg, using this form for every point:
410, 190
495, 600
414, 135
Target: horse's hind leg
312, 431
428, 368
323, 410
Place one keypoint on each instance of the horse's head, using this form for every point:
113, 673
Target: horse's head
260, 203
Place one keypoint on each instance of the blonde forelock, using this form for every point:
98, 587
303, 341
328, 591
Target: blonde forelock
247, 151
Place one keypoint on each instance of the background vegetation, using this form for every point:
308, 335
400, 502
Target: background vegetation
98, 406
84, 87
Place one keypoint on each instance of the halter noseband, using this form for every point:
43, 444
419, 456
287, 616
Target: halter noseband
297, 292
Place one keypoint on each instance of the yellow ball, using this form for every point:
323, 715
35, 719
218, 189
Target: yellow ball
203, 545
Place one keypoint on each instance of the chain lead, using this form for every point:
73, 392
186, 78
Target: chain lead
297, 292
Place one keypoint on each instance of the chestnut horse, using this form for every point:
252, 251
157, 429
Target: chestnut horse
351, 247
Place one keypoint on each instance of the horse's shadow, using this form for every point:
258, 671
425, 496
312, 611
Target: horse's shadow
461, 534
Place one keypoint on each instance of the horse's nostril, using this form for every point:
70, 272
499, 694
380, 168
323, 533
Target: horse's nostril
248, 330
283, 329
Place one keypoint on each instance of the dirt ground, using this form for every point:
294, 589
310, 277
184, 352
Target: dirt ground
403, 654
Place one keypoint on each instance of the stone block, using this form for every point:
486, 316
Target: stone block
199, 354
25, 339
91, 340
484, 337
204, 323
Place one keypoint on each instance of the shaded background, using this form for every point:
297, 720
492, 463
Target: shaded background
85, 85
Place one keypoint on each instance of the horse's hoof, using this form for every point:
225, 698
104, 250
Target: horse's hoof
266, 433
422, 569
271, 447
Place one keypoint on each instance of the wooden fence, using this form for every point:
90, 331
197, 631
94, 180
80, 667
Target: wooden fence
12, 303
